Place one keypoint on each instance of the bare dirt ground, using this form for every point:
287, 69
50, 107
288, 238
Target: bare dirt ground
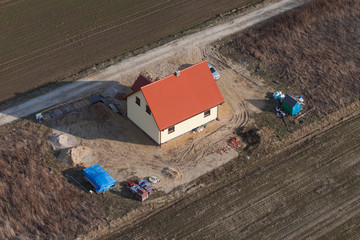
120, 72
127, 152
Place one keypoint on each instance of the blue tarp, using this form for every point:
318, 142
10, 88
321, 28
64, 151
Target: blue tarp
99, 178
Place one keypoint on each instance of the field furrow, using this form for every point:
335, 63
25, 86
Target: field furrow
302, 192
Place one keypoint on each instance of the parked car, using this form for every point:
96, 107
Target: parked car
215, 74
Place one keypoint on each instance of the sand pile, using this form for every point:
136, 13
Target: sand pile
171, 173
83, 156
63, 141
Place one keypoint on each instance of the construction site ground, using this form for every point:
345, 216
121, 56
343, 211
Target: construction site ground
278, 184
96, 134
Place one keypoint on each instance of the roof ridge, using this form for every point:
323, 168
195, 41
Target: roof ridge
170, 75
172, 102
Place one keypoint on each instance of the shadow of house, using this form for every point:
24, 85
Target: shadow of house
264, 104
186, 65
268, 104
100, 115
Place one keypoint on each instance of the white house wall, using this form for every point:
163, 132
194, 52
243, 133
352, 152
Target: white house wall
189, 124
140, 117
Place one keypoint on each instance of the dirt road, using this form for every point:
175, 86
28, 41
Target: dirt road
140, 62
311, 190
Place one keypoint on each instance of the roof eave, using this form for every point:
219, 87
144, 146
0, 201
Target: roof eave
187, 118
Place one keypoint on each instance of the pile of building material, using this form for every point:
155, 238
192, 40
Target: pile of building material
78, 105
232, 143
142, 189
199, 129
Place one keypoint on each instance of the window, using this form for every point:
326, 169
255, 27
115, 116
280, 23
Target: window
148, 109
138, 101
171, 129
207, 113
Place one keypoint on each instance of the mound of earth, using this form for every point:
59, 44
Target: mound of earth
62, 141
171, 173
83, 156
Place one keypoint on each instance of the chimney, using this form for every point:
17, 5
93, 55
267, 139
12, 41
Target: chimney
177, 73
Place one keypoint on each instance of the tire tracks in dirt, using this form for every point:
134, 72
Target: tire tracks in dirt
239, 118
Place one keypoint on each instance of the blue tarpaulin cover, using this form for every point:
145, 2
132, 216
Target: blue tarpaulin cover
99, 178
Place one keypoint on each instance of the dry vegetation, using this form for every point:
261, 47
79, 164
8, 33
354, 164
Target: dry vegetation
312, 51
35, 201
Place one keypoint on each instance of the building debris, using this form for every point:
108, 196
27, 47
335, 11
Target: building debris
95, 98
232, 143
199, 129
79, 105
112, 107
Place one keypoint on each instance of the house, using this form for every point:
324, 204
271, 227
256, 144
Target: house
176, 104
291, 104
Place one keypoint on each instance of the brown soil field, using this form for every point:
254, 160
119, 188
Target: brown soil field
309, 190
46, 41
312, 51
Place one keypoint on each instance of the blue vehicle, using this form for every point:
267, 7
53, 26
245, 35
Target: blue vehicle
99, 178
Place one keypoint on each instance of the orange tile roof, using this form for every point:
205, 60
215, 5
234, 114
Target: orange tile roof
175, 99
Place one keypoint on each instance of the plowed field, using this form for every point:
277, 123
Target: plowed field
46, 41
309, 190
